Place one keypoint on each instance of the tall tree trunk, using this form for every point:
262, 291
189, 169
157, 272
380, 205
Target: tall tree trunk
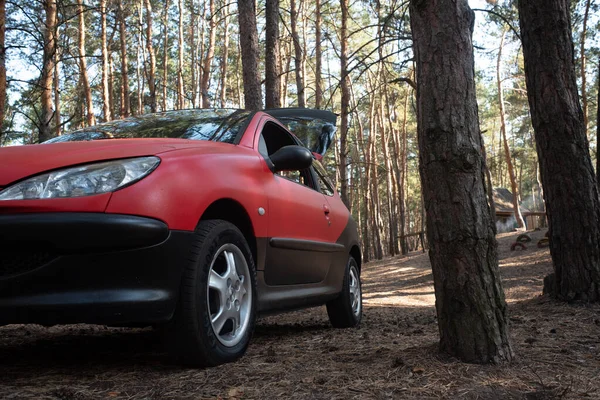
180, 44
570, 187
57, 119
598, 129
210, 53
390, 187
249, 46
272, 61
124, 93
224, 60
111, 92
47, 76
286, 72
490, 186
165, 77
318, 57
140, 61
509, 163
362, 189
297, 54
105, 93
194, 63
373, 182
389, 175
471, 309
345, 101
403, 162
238, 67
584, 99
2, 65
87, 91
151, 56
393, 173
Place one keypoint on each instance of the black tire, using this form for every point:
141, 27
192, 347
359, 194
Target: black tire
190, 334
340, 310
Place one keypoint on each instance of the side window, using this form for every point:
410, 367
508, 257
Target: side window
324, 184
271, 139
295, 176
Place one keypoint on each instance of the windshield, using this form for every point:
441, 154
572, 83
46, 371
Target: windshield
219, 125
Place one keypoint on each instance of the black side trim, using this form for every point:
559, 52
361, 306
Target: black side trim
79, 232
306, 245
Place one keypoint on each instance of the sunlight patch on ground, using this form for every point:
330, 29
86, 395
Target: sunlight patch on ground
424, 300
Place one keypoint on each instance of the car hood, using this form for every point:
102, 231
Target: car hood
18, 162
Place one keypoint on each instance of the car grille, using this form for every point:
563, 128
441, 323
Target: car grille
19, 262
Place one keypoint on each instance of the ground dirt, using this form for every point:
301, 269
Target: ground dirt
393, 355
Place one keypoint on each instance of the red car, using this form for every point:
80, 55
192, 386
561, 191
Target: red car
196, 221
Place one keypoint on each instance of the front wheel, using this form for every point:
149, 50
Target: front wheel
346, 310
216, 313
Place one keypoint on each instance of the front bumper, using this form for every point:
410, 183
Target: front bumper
60, 268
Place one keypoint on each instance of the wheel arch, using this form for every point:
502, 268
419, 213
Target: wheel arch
232, 211
355, 252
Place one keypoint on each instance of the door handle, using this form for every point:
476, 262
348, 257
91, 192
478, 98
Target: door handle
325, 209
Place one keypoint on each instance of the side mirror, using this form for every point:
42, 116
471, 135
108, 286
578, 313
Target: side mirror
291, 158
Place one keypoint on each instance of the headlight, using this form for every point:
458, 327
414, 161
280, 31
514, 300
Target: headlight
85, 180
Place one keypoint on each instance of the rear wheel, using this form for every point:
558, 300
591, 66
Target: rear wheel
216, 313
346, 310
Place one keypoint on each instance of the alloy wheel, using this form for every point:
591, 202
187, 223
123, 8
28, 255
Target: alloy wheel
229, 295
355, 292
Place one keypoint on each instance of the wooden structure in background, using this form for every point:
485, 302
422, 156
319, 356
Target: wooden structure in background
505, 216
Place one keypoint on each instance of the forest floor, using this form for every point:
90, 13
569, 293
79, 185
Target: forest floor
392, 355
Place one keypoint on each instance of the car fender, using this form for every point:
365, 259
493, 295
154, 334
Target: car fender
186, 183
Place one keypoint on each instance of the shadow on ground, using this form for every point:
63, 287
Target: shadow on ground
392, 355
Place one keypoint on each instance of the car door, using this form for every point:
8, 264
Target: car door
301, 246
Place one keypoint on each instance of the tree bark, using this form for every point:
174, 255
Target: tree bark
47, 76
402, 184
140, 61
286, 71
210, 53
584, 99
318, 57
238, 67
224, 60
111, 92
509, 163
345, 101
151, 56
570, 187
124, 93
57, 119
196, 51
87, 91
2, 64
598, 129
297, 54
180, 44
249, 47
490, 186
373, 181
471, 309
105, 93
165, 77
272, 61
